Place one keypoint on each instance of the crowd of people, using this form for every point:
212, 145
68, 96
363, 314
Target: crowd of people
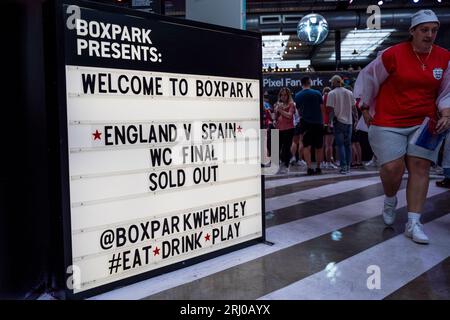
320, 122
405, 88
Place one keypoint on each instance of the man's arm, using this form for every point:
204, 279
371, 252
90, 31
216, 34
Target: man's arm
369, 80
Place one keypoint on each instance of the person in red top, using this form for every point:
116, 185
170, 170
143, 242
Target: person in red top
405, 84
284, 110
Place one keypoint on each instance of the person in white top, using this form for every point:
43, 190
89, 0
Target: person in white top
342, 102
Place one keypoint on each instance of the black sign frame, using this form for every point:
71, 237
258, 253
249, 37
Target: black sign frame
55, 61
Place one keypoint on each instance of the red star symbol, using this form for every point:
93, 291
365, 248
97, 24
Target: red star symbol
97, 135
207, 237
239, 129
156, 251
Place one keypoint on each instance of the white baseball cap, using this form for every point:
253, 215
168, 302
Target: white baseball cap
423, 16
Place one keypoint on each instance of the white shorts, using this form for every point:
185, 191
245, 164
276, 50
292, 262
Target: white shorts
389, 144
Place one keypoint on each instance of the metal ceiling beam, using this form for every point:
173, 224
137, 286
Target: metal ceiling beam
255, 6
337, 20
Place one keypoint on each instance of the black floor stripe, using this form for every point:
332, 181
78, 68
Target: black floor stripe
305, 185
433, 284
313, 207
261, 276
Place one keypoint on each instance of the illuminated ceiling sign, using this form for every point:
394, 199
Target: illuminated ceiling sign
360, 44
159, 123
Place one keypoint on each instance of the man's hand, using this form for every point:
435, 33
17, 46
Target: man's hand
442, 124
367, 117
444, 121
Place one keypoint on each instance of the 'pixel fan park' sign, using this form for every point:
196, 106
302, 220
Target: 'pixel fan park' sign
163, 141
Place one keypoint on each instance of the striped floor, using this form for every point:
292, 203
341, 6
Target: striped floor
329, 243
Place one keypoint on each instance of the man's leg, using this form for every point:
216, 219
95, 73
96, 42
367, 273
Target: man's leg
318, 145
294, 147
300, 148
328, 147
339, 138
416, 194
391, 174
307, 139
390, 147
319, 156
418, 180
348, 145
307, 156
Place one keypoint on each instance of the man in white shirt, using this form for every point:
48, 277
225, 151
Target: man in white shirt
342, 102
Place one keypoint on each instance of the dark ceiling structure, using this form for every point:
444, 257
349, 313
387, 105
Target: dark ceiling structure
265, 6
347, 21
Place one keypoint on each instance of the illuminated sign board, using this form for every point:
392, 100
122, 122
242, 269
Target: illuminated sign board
160, 123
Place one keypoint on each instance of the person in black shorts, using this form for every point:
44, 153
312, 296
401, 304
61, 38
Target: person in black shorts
309, 103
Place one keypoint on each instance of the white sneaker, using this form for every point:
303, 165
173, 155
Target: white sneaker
389, 212
437, 170
292, 161
282, 169
371, 163
331, 165
415, 231
301, 163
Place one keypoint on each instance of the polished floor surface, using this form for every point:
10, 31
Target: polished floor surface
329, 242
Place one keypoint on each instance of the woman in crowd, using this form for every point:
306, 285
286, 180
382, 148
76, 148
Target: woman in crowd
284, 110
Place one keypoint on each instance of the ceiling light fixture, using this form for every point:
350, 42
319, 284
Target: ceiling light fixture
364, 42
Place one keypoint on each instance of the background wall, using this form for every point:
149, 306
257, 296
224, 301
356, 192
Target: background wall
24, 196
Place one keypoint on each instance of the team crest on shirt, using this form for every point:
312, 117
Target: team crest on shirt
437, 73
